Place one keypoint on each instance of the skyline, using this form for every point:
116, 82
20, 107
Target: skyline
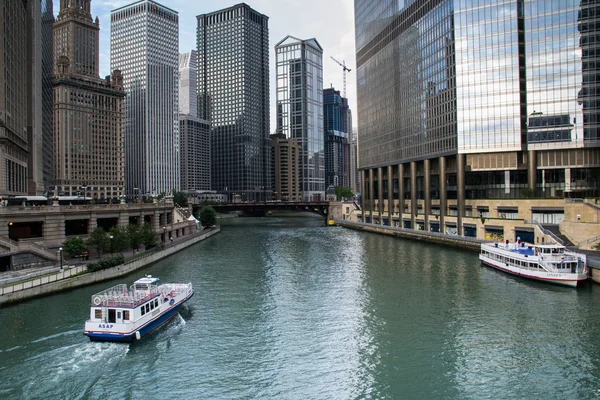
286, 17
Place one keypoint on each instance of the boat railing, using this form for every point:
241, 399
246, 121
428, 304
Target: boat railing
121, 296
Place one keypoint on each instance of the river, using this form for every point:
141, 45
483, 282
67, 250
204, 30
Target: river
286, 308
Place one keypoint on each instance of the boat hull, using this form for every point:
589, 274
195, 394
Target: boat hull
142, 331
571, 282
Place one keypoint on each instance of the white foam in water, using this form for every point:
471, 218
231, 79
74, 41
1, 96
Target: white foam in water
73, 332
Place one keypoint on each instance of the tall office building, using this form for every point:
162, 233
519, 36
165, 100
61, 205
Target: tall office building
233, 94
471, 100
14, 148
299, 66
337, 125
47, 53
144, 46
88, 110
194, 132
35, 183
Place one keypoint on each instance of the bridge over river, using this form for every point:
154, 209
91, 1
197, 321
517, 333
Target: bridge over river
261, 208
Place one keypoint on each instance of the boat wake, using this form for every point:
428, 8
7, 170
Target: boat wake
57, 373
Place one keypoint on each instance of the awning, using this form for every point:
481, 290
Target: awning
494, 228
508, 209
450, 223
470, 225
520, 229
483, 208
542, 209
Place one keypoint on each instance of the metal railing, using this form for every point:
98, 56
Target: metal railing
546, 232
589, 240
42, 280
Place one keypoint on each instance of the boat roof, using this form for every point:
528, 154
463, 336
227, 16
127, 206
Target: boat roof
146, 280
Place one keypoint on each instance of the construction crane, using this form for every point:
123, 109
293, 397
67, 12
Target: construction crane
346, 69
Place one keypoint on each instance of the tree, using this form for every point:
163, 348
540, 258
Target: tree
207, 216
75, 246
343, 192
120, 240
147, 235
180, 199
99, 239
135, 236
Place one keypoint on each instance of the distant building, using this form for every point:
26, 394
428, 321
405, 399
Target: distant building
14, 146
194, 133
337, 123
35, 179
354, 172
144, 45
285, 156
300, 108
195, 153
233, 94
188, 70
88, 110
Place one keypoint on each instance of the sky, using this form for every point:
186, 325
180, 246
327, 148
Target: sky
331, 22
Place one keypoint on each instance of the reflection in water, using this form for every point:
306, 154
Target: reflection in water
287, 308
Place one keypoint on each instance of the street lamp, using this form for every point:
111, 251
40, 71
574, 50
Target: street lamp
60, 249
164, 235
111, 244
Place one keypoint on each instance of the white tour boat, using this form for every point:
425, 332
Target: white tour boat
122, 314
547, 262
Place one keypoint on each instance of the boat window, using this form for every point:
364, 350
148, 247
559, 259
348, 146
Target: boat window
97, 313
119, 315
147, 307
143, 310
155, 302
126, 315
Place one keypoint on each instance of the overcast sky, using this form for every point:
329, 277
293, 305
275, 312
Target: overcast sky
331, 22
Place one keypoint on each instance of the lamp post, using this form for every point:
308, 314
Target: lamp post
164, 235
135, 194
60, 249
111, 244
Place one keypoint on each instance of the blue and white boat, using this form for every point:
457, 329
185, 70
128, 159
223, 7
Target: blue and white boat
551, 263
122, 314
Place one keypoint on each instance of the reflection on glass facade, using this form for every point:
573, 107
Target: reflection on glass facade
144, 45
233, 94
300, 108
507, 90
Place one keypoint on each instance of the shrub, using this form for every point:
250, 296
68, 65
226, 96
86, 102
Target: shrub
75, 246
207, 216
106, 262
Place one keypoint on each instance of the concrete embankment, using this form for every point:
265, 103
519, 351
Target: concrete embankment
468, 243
29, 290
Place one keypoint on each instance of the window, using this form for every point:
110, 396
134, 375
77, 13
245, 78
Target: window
98, 314
143, 310
126, 315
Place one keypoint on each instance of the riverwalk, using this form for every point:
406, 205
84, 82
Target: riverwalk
15, 287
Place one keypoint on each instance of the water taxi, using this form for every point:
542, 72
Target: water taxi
547, 262
122, 314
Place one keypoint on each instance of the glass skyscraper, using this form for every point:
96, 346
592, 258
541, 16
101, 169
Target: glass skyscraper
300, 108
338, 124
475, 99
233, 95
144, 45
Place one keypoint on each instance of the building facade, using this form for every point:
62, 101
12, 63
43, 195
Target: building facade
460, 101
337, 122
233, 94
14, 148
47, 97
354, 172
144, 46
299, 66
285, 156
88, 111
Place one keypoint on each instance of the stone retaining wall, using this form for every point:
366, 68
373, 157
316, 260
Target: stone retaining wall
29, 290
